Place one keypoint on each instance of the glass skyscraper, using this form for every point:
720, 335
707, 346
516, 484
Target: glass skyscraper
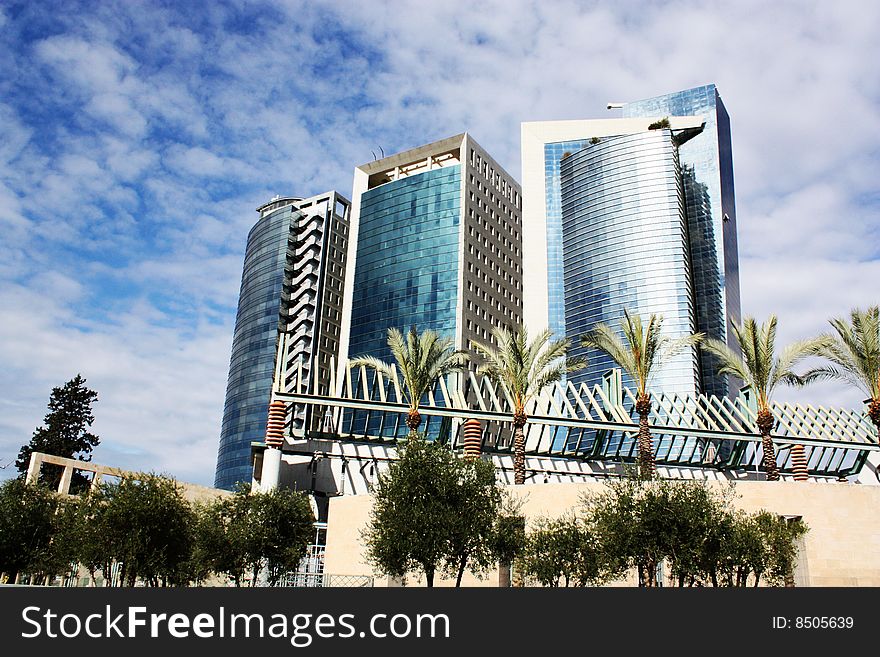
436, 239
625, 246
407, 259
254, 341
292, 281
707, 173
620, 216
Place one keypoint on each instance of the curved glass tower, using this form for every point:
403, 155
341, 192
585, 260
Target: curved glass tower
292, 282
625, 246
707, 176
700, 129
254, 342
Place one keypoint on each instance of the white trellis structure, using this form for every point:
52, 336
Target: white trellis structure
583, 423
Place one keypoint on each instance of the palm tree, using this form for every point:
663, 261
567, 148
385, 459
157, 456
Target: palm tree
855, 356
422, 358
641, 352
761, 370
524, 368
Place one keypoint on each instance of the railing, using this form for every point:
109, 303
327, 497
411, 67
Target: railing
325, 580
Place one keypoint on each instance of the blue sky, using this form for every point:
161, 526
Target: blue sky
137, 138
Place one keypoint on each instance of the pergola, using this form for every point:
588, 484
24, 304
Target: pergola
589, 424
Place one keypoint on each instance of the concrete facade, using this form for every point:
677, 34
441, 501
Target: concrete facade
192, 492
840, 549
312, 298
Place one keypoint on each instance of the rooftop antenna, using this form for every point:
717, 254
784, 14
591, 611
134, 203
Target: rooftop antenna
382, 150
374, 156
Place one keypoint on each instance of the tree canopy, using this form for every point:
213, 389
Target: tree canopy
27, 524
65, 430
250, 532
694, 528
433, 511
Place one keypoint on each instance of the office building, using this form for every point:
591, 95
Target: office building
436, 239
619, 215
292, 282
625, 246
707, 177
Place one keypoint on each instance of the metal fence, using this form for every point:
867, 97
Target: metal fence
324, 580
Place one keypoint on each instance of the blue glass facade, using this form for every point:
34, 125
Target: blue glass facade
253, 346
707, 172
406, 272
624, 246
553, 153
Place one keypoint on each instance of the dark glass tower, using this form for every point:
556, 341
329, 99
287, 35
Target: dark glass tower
292, 283
707, 171
254, 342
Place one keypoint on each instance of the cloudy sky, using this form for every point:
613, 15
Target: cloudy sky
137, 138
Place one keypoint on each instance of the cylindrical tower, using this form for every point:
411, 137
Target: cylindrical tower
254, 341
625, 246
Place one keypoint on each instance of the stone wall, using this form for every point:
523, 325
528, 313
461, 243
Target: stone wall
841, 548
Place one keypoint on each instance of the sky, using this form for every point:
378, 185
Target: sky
137, 139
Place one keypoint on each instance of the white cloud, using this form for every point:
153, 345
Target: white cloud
143, 366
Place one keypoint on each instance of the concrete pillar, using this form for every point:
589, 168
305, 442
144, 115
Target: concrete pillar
64, 484
473, 438
271, 469
274, 441
33, 472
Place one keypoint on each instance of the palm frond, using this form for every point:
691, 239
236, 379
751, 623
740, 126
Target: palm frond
674, 346
421, 359
604, 338
729, 362
549, 376
856, 348
371, 362
788, 359
830, 372
643, 348
524, 367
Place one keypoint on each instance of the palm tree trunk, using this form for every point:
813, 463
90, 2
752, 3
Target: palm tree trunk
647, 467
874, 414
765, 423
413, 420
519, 448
